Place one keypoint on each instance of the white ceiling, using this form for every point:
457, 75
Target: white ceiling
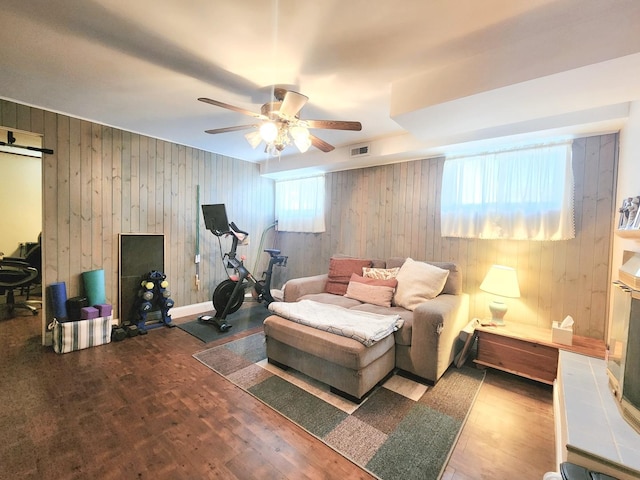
423, 77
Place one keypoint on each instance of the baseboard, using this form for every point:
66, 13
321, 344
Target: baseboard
183, 311
193, 309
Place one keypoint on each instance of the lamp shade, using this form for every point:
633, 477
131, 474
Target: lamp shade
501, 281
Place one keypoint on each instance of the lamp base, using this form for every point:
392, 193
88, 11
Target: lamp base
498, 310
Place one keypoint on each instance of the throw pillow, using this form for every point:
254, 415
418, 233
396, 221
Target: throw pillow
418, 282
340, 270
380, 273
371, 290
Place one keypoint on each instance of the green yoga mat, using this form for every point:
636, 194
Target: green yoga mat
94, 287
244, 319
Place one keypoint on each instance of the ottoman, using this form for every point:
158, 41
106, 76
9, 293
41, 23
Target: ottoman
346, 365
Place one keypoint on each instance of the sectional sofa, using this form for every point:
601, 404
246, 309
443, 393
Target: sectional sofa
427, 296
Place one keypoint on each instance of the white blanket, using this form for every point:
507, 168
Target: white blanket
365, 327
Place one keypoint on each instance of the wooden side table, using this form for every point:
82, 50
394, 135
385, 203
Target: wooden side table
528, 351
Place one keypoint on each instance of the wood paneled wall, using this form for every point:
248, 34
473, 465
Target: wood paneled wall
394, 210
102, 181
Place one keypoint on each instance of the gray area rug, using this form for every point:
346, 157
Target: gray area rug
391, 434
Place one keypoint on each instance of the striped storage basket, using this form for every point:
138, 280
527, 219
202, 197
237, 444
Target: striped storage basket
71, 336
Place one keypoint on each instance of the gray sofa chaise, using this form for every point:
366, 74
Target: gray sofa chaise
423, 347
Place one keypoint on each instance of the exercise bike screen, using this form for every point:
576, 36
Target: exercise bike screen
215, 218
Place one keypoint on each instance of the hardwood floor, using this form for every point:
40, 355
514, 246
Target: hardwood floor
144, 408
509, 433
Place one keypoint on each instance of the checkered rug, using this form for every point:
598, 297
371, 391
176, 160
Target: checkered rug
402, 430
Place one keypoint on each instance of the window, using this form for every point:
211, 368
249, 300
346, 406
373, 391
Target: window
524, 194
300, 205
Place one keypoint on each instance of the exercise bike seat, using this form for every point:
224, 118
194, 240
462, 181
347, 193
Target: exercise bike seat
272, 251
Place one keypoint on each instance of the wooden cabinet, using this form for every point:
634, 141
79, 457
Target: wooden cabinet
528, 351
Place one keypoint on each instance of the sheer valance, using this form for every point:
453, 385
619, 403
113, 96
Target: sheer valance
524, 194
300, 205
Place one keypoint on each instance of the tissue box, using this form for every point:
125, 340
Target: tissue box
561, 335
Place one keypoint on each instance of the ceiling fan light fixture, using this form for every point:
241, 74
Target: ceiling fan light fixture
280, 124
301, 137
274, 149
268, 131
303, 143
292, 103
254, 138
299, 132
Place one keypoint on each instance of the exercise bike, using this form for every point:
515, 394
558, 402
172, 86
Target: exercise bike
229, 294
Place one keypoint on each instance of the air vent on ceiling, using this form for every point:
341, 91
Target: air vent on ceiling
360, 150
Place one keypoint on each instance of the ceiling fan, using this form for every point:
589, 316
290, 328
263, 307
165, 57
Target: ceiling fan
280, 125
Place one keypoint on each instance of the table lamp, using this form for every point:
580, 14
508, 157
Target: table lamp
503, 282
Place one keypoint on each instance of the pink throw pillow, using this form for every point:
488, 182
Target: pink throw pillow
340, 271
371, 290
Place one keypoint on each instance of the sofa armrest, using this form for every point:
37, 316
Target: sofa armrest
298, 287
436, 326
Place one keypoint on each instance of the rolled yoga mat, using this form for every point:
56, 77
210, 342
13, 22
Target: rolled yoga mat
94, 287
58, 295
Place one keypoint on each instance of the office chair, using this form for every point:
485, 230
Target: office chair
14, 274
34, 258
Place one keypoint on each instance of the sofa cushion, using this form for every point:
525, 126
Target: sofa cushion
418, 282
340, 270
371, 290
453, 285
380, 273
332, 299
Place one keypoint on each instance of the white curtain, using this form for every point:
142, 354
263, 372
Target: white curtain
524, 194
300, 205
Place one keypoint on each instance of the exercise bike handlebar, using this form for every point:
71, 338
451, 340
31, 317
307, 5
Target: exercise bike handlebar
234, 228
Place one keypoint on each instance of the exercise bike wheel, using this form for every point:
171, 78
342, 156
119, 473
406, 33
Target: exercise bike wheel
222, 295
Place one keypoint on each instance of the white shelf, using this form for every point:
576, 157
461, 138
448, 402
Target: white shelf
635, 233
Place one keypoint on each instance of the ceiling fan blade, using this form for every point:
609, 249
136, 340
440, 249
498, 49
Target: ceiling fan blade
229, 129
321, 144
292, 103
232, 107
334, 124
